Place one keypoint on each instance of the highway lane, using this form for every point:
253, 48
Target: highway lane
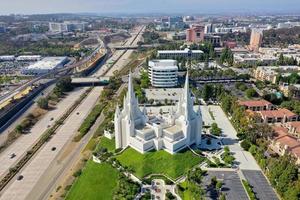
39, 165
62, 167
6, 129
31, 171
26, 141
120, 58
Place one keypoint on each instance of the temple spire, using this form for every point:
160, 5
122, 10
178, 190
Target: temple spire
186, 97
186, 87
130, 87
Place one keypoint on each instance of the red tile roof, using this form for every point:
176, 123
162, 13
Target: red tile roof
284, 139
296, 125
255, 103
277, 113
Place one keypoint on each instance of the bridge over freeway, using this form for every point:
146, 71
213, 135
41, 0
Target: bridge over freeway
127, 47
90, 81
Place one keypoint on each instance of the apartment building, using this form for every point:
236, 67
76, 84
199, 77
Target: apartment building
257, 105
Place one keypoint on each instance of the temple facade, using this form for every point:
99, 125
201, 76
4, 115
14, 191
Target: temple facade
172, 132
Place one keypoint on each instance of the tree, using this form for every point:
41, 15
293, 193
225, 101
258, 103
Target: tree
19, 128
64, 84
43, 103
145, 81
215, 130
251, 93
281, 59
245, 144
170, 196
227, 56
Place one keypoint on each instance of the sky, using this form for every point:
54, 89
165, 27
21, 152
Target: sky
148, 6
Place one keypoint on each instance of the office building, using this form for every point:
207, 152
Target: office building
195, 34
174, 54
208, 28
163, 73
66, 27
256, 39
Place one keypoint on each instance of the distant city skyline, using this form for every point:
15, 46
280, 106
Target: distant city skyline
147, 7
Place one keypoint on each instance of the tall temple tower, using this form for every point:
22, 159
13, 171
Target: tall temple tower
181, 128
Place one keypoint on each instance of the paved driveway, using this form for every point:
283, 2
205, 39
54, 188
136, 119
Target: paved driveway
261, 186
243, 158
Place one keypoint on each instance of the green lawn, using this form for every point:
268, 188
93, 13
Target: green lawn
98, 181
107, 143
159, 162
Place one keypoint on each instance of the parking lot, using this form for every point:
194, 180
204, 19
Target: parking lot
232, 185
261, 187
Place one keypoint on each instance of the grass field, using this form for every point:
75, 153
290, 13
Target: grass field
97, 181
107, 143
159, 162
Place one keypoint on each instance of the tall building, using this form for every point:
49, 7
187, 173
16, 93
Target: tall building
163, 73
256, 39
179, 129
195, 34
66, 27
208, 28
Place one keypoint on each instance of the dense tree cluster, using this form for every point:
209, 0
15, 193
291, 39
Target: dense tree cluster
251, 93
294, 78
63, 85
286, 60
211, 73
281, 37
293, 105
126, 189
193, 183
211, 91
150, 37
226, 57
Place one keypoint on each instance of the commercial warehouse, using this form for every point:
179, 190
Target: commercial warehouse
45, 65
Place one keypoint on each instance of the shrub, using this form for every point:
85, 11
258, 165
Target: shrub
77, 173
245, 144
251, 93
215, 130
43, 103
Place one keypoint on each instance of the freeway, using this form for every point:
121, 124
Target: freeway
60, 169
10, 156
19, 116
119, 58
39, 165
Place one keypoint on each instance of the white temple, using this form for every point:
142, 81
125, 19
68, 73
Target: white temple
172, 132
